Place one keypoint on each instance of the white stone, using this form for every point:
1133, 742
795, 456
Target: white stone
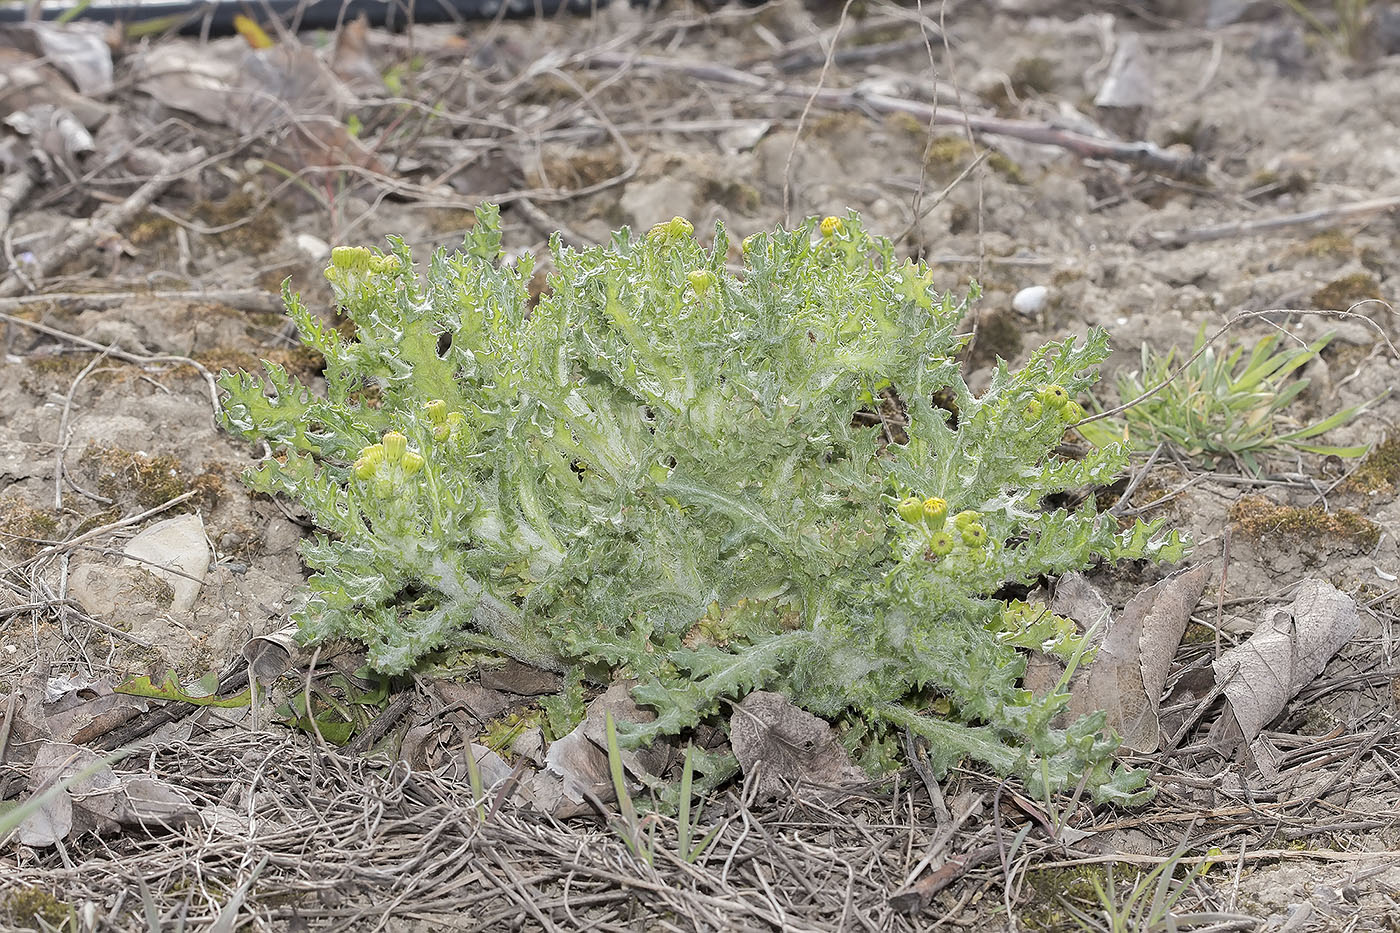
176, 551
1031, 301
313, 246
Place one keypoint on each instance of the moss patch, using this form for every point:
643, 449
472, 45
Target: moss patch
1258, 517
1380, 471
258, 228
737, 196
36, 909
577, 170
1346, 291
948, 155
27, 530
1046, 888
1329, 244
123, 474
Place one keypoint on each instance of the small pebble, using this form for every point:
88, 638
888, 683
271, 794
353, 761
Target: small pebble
313, 246
1031, 301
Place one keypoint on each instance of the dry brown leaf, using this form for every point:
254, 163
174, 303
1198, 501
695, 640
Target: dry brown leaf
1288, 650
99, 802
1129, 672
787, 745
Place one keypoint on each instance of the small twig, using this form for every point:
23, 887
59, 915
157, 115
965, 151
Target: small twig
106, 219
61, 444
1142, 154
112, 351
108, 528
1265, 224
239, 299
1123, 500
547, 225
1224, 582
807, 108
13, 191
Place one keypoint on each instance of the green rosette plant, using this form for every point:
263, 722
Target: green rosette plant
662, 470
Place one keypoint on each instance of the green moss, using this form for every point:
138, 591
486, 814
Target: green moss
906, 123
1346, 291
1258, 518
949, 155
1033, 75
1044, 889
27, 530
37, 909
150, 230
254, 227
735, 195
1279, 182
1380, 471
1006, 168
1198, 634
1329, 244
150, 480
946, 156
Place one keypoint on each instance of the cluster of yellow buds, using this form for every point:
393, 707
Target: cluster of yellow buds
445, 423
1053, 399
664, 234
350, 264
391, 452
830, 226
932, 513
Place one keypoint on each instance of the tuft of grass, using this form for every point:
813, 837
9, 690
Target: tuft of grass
1150, 905
1347, 29
1222, 406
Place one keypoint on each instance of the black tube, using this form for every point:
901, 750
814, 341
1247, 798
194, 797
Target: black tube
216, 18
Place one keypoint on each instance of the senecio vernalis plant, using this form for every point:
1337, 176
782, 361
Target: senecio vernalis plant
665, 471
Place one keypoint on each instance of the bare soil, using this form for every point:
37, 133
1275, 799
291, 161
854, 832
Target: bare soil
630, 118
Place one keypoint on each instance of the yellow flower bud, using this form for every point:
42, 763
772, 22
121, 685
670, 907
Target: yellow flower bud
701, 280
437, 411
1054, 396
830, 226
365, 467
351, 258
1072, 413
911, 509
412, 462
963, 519
1033, 410
394, 446
934, 511
940, 545
670, 231
974, 535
